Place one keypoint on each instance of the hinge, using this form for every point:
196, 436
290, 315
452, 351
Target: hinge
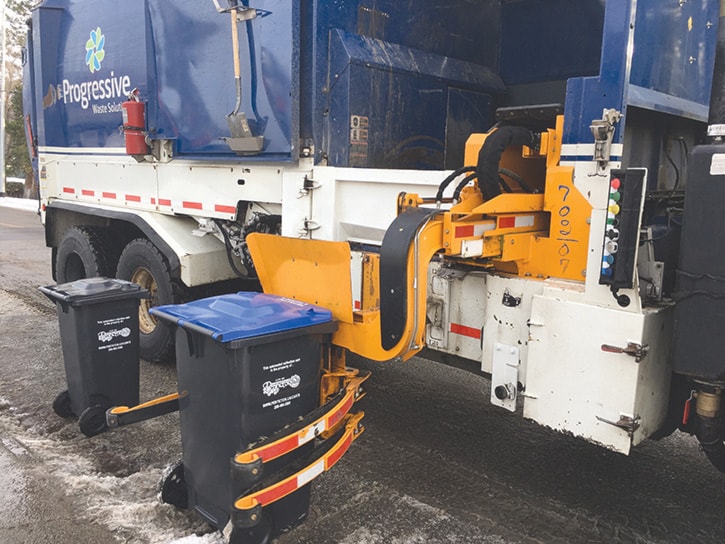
603, 130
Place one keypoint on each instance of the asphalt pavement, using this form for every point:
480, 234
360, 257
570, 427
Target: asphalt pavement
33, 508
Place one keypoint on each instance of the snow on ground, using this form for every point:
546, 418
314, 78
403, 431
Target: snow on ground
19, 203
127, 505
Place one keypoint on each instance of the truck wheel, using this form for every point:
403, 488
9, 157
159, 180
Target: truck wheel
81, 254
143, 264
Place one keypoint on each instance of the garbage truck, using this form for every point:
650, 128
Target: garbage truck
523, 188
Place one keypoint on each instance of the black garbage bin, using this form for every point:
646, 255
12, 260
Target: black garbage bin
98, 320
248, 364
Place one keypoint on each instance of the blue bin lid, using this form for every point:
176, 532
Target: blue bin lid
243, 315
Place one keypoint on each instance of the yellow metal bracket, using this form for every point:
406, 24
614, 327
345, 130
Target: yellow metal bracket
123, 415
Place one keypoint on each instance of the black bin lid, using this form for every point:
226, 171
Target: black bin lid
93, 290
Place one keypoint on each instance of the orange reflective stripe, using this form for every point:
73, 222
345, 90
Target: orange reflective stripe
281, 489
324, 423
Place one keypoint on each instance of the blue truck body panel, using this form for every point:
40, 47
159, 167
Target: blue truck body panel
374, 83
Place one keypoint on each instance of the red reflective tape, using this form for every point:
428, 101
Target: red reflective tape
153, 201
88, 192
277, 492
164, 202
335, 417
335, 455
506, 222
464, 232
69, 190
464, 330
358, 305
224, 209
191, 205
279, 448
133, 198
108, 195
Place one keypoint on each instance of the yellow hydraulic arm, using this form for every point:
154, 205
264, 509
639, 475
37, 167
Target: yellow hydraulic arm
318, 272
540, 233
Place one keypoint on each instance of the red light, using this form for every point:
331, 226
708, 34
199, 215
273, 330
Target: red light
615, 183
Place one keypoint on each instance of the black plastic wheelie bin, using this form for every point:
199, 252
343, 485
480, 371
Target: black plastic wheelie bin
248, 364
98, 321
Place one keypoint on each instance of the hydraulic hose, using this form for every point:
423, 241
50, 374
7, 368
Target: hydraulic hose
462, 184
490, 156
518, 179
446, 182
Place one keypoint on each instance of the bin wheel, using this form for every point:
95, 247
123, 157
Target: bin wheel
172, 486
93, 420
61, 405
259, 534
142, 263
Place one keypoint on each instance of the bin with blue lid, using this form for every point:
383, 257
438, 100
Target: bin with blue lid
98, 322
248, 365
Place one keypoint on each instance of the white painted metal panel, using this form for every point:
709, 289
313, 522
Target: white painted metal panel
574, 385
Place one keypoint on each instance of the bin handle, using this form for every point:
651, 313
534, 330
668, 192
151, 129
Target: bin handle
187, 325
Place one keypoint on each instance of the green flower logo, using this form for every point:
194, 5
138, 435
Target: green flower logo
94, 50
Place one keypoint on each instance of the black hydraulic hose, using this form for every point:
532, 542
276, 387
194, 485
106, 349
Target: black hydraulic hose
490, 156
446, 182
711, 441
228, 246
518, 179
502, 183
462, 184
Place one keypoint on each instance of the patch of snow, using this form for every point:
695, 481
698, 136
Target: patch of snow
19, 203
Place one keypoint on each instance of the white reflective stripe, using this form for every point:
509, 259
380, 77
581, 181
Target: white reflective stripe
479, 229
313, 431
83, 150
311, 473
587, 150
524, 221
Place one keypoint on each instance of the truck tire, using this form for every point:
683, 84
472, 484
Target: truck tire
82, 253
143, 264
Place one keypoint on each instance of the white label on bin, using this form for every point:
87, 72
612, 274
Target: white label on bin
107, 336
271, 388
281, 403
113, 329
284, 365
